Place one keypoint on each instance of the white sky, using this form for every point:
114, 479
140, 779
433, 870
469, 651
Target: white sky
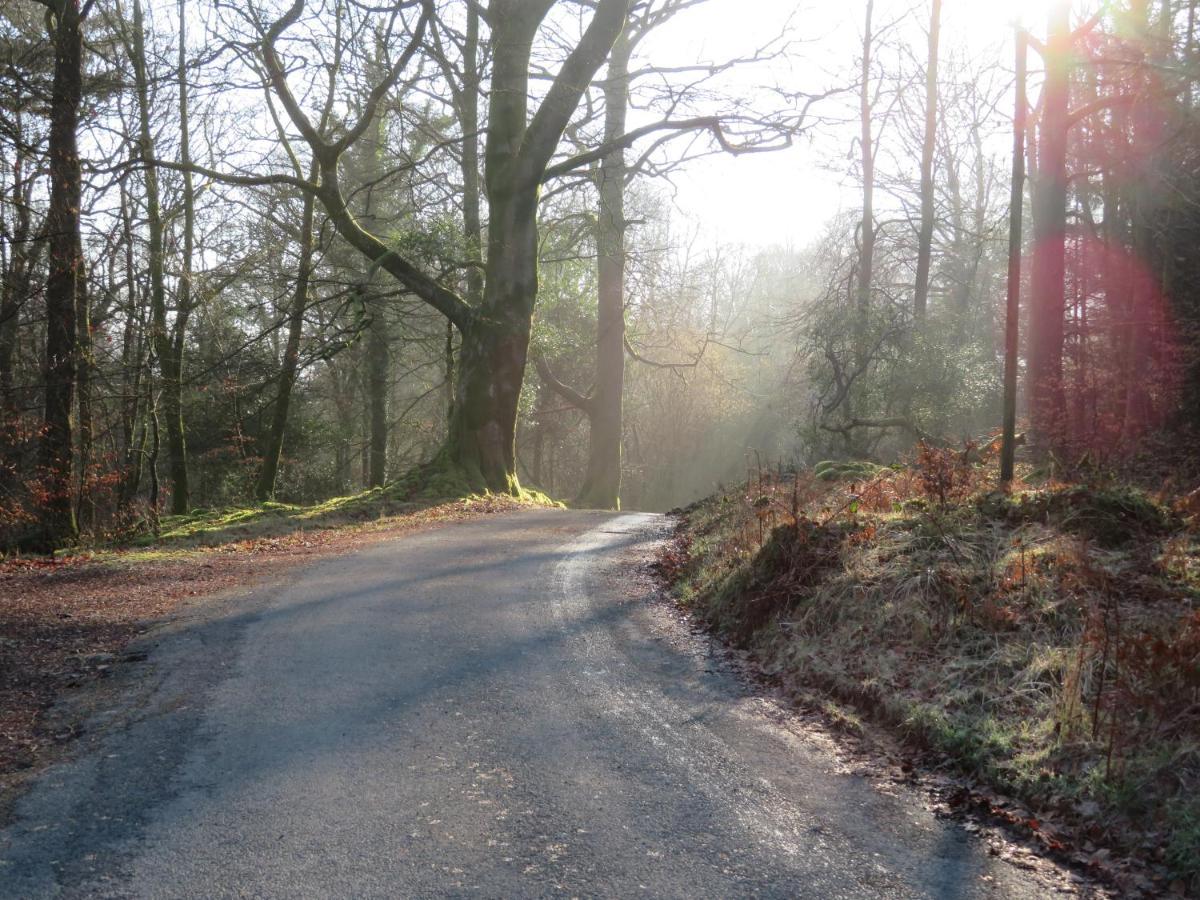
787, 197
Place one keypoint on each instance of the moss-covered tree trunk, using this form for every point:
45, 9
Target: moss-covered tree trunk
495, 341
491, 364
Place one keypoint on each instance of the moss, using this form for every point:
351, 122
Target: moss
846, 470
424, 486
1112, 516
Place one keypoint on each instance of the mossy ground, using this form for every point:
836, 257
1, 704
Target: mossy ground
1046, 641
421, 489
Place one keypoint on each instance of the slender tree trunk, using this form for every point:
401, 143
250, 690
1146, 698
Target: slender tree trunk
378, 359
65, 271
1012, 326
132, 361
185, 295
925, 242
1047, 278
17, 281
468, 112
265, 488
866, 253
169, 363
155, 450
602, 485
1145, 192
86, 511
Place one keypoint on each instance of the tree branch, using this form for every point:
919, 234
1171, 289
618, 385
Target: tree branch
576, 399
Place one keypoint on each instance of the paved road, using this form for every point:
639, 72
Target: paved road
487, 710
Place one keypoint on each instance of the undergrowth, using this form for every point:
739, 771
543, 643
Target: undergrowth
1044, 640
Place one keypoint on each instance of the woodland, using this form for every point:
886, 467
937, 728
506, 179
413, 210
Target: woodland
937, 464
255, 253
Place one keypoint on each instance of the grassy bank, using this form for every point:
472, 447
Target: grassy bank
1046, 642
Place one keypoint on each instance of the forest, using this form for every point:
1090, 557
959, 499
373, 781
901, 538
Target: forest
260, 253
938, 346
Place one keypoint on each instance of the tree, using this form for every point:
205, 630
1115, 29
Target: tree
167, 339
1049, 223
66, 18
925, 245
519, 147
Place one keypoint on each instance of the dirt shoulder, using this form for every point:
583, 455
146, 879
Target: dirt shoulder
66, 626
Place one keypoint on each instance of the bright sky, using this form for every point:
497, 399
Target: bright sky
787, 197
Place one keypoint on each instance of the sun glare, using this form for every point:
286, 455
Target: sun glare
989, 14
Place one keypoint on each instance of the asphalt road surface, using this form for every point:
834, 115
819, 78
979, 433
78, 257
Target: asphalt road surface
491, 709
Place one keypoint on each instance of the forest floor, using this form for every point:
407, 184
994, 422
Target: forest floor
1036, 653
65, 623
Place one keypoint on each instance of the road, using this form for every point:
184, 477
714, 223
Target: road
491, 709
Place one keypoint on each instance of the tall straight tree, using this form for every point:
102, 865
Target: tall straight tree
925, 239
1049, 226
167, 341
65, 270
866, 247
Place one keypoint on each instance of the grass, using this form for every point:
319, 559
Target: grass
422, 489
1045, 642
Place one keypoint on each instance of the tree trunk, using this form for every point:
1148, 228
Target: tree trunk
169, 364
1146, 196
85, 362
866, 253
494, 349
265, 488
1049, 225
925, 243
378, 357
495, 343
16, 282
602, 485
62, 283
176, 435
132, 362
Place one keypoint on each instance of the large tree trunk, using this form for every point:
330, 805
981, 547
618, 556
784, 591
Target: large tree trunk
602, 485
65, 270
495, 346
925, 242
495, 343
1047, 288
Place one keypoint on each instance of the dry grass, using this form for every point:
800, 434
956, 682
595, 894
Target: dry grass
1046, 642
